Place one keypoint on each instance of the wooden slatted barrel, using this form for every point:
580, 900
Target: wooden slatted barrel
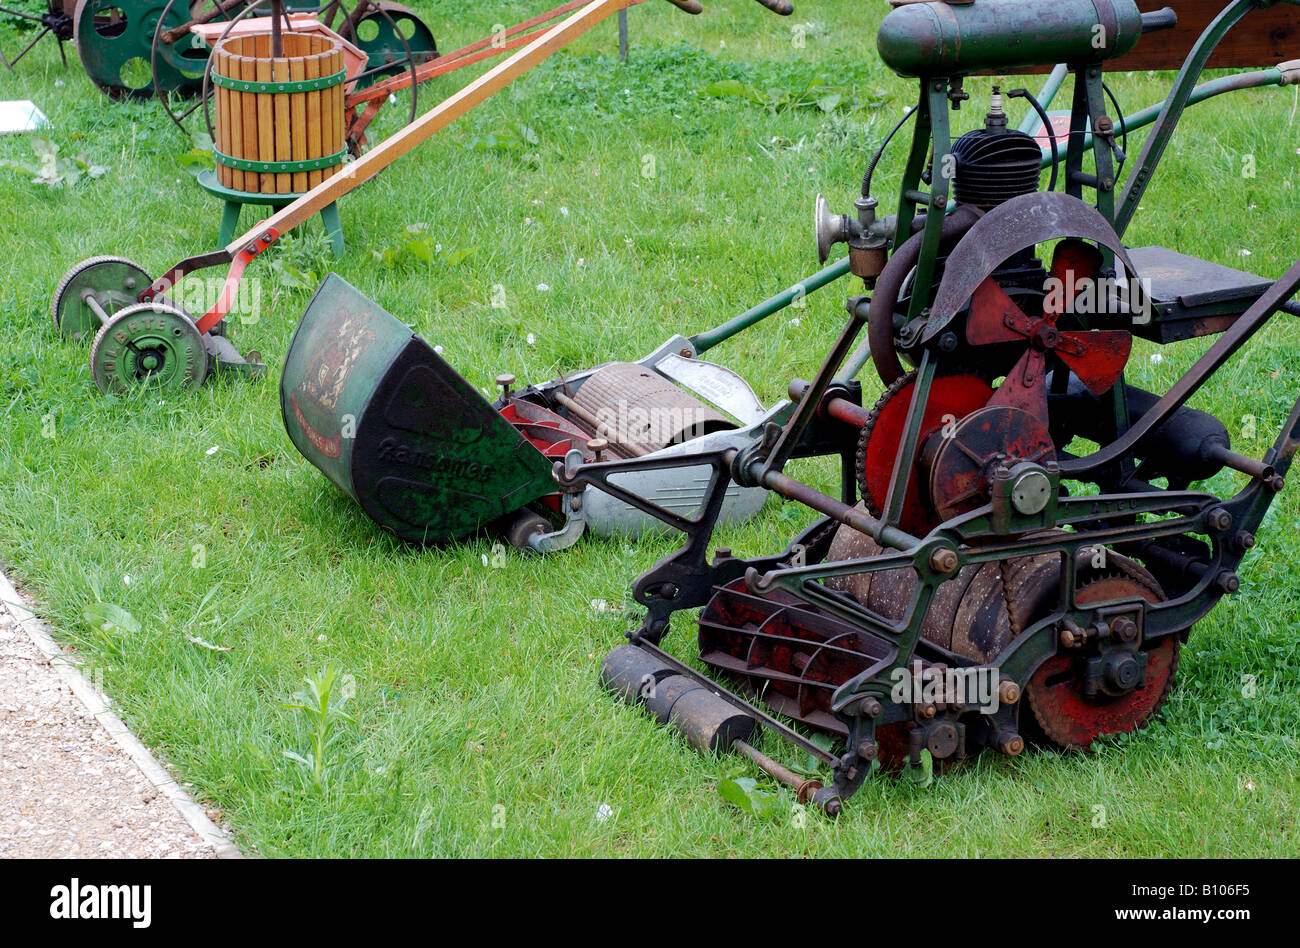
279, 120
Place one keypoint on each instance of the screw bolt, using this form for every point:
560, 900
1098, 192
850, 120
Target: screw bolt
1218, 520
1227, 581
1010, 743
943, 560
870, 708
1124, 629
1008, 692
868, 750
1243, 541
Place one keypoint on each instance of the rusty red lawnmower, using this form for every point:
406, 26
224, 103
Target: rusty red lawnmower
1031, 547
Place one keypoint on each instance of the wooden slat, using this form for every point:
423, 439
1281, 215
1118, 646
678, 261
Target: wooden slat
313, 121
1263, 38
248, 115
222, 108
298, 108
265, 113
283, 129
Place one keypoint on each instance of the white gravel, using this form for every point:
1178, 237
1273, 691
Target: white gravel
67, 787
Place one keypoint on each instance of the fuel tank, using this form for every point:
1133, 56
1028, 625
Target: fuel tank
940, 39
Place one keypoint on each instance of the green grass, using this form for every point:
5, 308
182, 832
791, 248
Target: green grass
477, 724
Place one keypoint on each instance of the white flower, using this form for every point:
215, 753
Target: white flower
531, 339
438, 349
795, 321
212, 450
599, 605
565, 211
321, 638
485, 559
528, 220
127, 579
1156, 358
605, 811
537, 202
1243, 253
582, 261
543, 288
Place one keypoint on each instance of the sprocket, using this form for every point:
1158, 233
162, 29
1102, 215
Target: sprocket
1069, 718
952, 397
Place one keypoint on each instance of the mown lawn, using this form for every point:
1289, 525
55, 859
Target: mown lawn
646, 206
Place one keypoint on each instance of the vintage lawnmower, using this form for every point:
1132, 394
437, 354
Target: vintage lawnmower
143, 337
1032, 543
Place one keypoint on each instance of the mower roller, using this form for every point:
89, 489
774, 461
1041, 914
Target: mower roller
1023, 540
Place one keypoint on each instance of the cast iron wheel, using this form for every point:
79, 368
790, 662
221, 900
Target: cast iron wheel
112, 282
148, 344
391, 35
115, 41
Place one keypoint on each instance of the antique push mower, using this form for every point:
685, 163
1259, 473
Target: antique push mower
143, 337
1031, 547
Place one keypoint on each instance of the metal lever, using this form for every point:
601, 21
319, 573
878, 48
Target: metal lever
1163, 19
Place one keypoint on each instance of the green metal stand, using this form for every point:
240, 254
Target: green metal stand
235, 201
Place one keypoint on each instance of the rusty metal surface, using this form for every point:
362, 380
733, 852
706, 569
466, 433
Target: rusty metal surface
786, 651
951, 397
1072, 719
1018, 224
965, 461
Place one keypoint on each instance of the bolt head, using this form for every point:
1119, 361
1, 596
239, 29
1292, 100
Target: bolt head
505, 380
1124, 629
1218, 519
943, 560
1008, 692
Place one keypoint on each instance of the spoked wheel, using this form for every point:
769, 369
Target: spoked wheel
185, 53
148, 344
390, 34
99, 285
395, 41
115, 40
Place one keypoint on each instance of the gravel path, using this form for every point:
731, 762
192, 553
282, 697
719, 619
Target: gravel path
67, 786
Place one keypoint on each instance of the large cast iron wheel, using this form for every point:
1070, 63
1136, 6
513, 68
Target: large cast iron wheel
115, 43
393, 39
148, 344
